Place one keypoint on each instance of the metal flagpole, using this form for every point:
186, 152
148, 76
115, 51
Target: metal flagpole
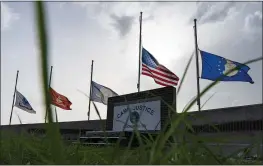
197, 68
56, 114
140, 51
13, 98
90, 91
50, 76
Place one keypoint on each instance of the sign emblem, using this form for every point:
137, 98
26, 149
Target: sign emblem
134, 117
230, 66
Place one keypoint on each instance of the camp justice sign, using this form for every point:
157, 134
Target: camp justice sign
143, 116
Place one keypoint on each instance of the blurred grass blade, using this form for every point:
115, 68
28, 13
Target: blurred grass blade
208, 100
83, 93
95, 106
185, 72
20, 121
96, 109
52, 129
43, 51
189, 102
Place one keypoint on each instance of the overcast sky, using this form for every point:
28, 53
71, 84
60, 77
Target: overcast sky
108, 33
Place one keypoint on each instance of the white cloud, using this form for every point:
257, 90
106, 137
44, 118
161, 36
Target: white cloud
8, 16
253, 22
253, 26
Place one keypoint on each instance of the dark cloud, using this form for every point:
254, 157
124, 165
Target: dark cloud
209, 12
122, 24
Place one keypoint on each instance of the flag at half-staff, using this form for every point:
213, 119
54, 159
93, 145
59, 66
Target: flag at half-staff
100, 93
152, 68
216, 67
59, 100
23, 104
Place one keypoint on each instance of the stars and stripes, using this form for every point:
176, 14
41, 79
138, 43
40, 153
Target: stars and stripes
160, 74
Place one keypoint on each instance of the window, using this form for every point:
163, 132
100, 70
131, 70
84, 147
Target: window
260, 124
229, 127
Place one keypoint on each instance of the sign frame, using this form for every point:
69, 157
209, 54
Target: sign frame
167, 95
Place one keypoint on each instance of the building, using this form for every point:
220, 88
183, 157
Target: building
239, 127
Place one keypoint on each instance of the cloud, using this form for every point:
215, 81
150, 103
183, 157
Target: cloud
208, 12
113, 14
253, 22
7, 16
252, 27
122, 24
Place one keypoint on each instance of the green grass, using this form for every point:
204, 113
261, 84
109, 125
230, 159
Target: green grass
28, 149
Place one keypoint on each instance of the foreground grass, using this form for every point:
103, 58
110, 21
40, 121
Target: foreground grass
27, 149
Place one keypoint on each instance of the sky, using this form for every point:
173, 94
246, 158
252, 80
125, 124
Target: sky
108, 33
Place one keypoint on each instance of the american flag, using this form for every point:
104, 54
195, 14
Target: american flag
160, 74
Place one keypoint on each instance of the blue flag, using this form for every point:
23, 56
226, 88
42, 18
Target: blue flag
100, 93
214, 67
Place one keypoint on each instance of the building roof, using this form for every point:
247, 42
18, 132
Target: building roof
229, 114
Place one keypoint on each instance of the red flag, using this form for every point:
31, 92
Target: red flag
60, 100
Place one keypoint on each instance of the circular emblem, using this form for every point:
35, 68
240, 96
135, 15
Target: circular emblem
230, 66
134, 117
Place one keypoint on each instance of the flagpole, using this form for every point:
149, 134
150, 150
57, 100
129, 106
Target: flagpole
197, 68
50, 76
90, 91
13, 98
56, 114
140, 50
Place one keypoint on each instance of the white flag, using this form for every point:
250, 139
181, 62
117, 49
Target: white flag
101, 93
23, 104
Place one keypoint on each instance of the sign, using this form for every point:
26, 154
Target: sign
143, 116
